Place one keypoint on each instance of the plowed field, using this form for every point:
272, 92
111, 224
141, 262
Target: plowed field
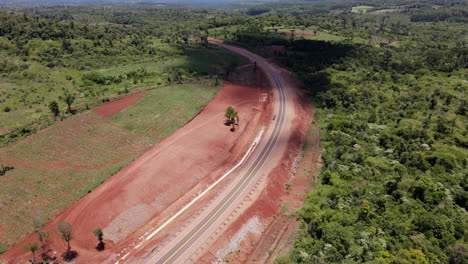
62, 163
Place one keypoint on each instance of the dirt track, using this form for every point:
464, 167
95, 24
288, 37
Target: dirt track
166, 176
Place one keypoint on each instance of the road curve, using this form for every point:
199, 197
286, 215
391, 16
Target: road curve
177, 252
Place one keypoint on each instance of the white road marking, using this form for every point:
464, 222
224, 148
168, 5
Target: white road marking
155, 232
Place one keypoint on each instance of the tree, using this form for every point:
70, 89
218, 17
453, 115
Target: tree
65, 230
54, 108
42, 236
292, 34
173, 74
98, 232
228, 68
218, 73
232, 117
69, 99
24, 97
32, 246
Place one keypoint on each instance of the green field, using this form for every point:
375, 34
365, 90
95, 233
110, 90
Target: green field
158, 118
361, 9
319, 35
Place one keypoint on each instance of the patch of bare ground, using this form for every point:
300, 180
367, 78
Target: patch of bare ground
110, 108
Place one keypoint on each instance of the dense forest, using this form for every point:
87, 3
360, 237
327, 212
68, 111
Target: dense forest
388, 80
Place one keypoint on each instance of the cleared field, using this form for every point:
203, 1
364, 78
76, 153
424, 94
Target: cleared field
361, 9
318, 35
59, 165
390, 10
310, 34
64, 162
158, 118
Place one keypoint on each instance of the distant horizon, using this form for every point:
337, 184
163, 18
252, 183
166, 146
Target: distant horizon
121, 1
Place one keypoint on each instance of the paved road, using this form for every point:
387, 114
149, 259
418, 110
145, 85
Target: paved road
177, 252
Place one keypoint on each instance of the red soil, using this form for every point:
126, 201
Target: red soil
110, 108
167, 171
3, 131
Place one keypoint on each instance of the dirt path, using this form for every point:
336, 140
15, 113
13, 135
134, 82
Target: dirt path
180, 166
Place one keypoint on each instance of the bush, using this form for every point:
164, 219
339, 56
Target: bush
94, 77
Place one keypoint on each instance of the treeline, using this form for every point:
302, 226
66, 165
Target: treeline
410, 4
454, 14
295, 9
68, 43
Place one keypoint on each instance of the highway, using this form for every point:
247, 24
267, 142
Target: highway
186, 243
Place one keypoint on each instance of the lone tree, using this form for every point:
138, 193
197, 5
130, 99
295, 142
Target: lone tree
65, 231
172, 74
4, 169
98, 232
54, 108
232, 117
69, 99
42, 236
31, 247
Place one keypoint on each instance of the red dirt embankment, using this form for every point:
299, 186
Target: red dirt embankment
144, 188
110, 108
244, 242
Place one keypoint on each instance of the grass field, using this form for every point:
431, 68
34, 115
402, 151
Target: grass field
158, 118
361, 9
318, 35
385, 11
61, 164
